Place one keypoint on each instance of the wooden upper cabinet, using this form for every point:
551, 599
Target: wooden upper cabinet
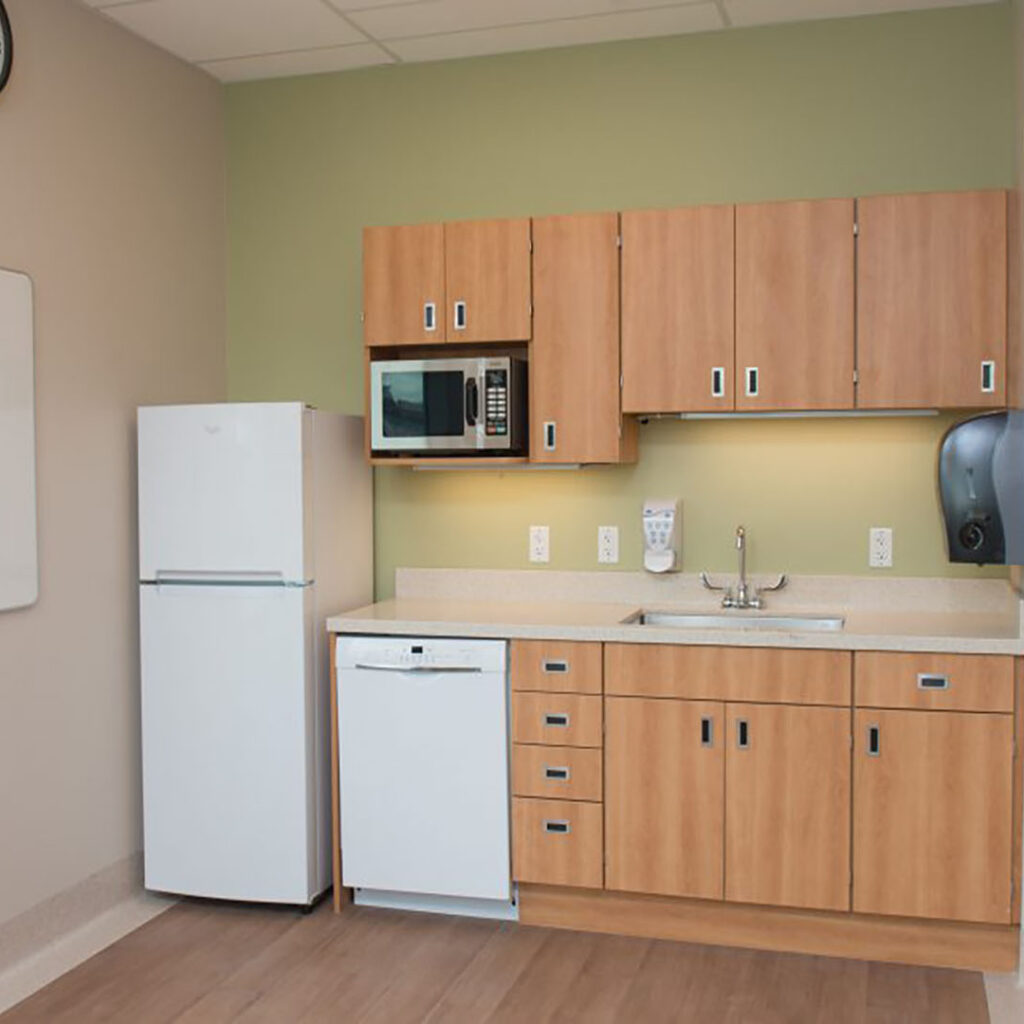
795, 305
677, 309
487, 280
932, 814
403, 285
931, 300
787, 831
664, 796
574, 358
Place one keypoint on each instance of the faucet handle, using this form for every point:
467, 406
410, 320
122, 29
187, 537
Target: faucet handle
777, 585
708, 585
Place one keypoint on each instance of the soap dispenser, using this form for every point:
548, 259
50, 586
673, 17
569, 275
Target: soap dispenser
662, 533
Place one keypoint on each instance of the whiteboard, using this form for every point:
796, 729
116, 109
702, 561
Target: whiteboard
19, 569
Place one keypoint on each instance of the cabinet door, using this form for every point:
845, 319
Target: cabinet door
932, 814
678, 309
794, 305
664, 792
487, 277
787, 784
931, 300
403, 285
574, 364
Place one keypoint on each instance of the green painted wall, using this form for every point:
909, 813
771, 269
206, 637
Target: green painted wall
898, 103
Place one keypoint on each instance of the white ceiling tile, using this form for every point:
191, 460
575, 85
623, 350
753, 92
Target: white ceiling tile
204, 30
299, 62
436, 16
700, 17
762, 12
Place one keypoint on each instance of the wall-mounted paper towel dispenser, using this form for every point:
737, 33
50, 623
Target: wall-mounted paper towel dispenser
981, 484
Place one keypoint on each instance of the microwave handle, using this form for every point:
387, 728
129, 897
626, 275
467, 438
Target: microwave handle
472, 401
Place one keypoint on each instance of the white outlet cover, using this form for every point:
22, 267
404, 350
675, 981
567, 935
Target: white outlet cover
540, 544
608, 545
880, 547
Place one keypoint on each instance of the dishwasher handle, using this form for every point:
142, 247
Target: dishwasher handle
375, 666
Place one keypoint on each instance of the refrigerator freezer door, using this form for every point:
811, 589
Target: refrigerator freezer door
222, 490
228, 794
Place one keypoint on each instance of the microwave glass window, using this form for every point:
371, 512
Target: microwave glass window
421, 404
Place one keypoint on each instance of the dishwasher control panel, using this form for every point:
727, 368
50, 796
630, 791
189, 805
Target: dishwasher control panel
401, 654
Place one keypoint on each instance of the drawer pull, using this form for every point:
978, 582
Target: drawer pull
743, 734
554, 667
707, 732
557, 719
931, 681
874, 741
557, 773
557, 826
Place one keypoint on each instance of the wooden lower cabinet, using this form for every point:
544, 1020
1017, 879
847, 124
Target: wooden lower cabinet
787, 806
557, 842
664, 796
932, 823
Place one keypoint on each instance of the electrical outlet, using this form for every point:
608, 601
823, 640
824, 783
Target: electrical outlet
880, 547
608, 544
540, 544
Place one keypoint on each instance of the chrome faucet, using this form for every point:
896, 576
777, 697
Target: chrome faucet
745, 595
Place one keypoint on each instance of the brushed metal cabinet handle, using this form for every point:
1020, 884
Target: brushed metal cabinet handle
707, 732
874, 741
557, 826
555, 666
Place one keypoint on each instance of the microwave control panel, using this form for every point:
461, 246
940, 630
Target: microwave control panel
496, 402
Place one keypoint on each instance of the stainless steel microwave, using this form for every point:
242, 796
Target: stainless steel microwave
448, 406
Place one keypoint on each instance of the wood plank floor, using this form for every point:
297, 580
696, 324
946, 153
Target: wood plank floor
204, 963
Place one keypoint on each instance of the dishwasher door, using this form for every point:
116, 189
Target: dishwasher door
423, 758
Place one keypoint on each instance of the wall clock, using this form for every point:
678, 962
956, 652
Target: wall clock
6, 46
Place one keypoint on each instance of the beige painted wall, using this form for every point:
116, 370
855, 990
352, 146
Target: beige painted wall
112, 199
907, 102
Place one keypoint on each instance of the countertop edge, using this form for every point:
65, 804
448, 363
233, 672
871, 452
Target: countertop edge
839, 641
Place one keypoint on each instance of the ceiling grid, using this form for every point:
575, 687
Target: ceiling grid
236, 40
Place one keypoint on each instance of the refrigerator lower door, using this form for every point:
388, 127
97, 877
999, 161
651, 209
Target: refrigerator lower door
228, 720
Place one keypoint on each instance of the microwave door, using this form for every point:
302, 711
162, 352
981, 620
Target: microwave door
421, 406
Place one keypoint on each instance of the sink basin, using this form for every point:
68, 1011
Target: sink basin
735, 620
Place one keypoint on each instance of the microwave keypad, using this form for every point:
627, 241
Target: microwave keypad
496, 398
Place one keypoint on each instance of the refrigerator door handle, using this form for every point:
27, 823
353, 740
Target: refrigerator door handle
203, 576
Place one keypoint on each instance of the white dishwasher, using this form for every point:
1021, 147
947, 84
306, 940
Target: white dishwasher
423, 765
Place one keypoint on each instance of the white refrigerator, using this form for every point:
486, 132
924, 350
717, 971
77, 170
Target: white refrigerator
255, 524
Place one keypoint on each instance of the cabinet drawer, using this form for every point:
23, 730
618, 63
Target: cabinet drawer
555, 666
934, 682
565, 773
561, 719
758, 675
557, 842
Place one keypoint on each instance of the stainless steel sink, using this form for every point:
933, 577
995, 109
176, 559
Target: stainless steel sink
734, 620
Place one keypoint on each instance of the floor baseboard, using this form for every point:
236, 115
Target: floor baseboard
37, 970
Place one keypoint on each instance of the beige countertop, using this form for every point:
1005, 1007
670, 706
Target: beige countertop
971, 630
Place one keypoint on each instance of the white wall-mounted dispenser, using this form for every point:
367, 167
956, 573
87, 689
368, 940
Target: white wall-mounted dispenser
662, 532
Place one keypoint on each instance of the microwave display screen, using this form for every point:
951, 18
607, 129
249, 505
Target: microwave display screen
423, 404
